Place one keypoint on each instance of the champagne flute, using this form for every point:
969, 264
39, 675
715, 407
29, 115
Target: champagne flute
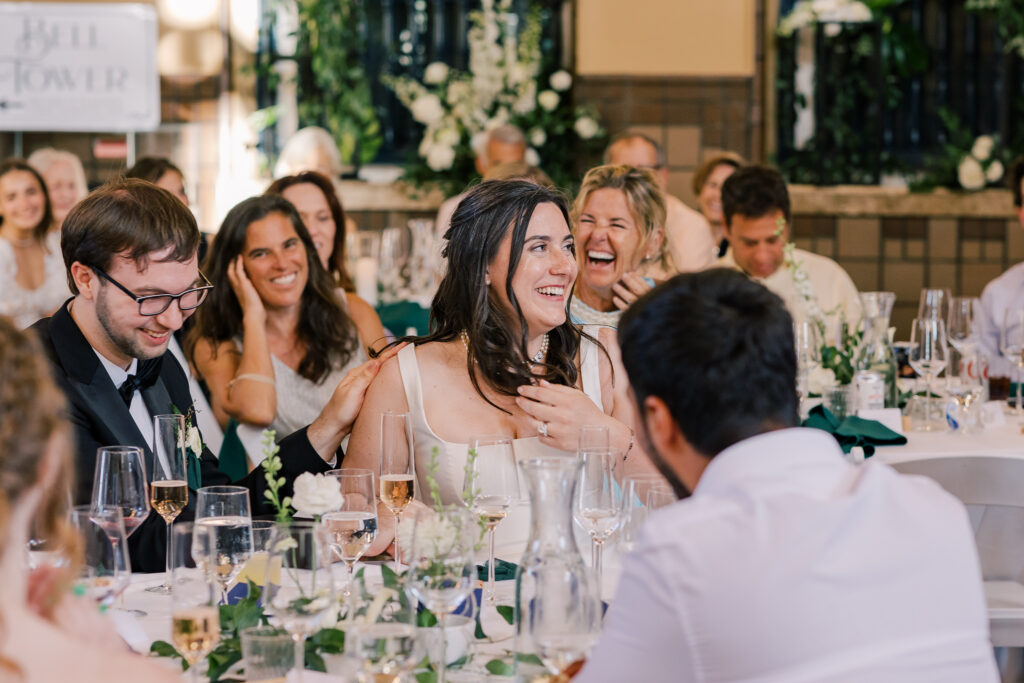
225, 511
1011, 345
933, 304
304, 596
353, 528
598, 506
105, 571
195, 619
120, 481
491, 487
634, 511
960, 325
928, 357
592, 436
808, 354
442, 568
397, 467
169, 488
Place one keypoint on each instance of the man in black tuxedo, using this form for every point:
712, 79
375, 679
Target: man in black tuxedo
130, 251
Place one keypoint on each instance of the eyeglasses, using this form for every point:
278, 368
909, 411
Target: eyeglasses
155, 304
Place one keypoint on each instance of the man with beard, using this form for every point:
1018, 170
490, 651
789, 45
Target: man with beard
786, 562
130, 253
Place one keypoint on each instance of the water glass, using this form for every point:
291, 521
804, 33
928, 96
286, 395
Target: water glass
105, 571
267, 652
225, 511
1011, 345
841, 400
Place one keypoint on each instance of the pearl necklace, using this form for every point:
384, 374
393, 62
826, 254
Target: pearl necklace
535, 359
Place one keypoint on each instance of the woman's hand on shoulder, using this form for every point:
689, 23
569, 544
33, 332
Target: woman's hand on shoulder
248, 298
347, 399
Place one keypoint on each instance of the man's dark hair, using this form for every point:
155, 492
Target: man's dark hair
127, 215
718, 349
152, 169
1017, 175
754, 191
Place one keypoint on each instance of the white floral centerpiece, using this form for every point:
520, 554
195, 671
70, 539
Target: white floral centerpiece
506, 84
980, 166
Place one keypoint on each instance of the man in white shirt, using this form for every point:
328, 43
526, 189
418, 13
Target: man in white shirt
1004, 293
787, 563
687, 236
756, 207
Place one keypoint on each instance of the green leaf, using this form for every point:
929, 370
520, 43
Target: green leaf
426, 619
426, 677
460, 662
500, 667
529, 659
162, 648
313, 659
329, 640
389, 576
507, 612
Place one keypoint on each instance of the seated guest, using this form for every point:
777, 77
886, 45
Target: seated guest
519, 170
503, 145
619, 219
757, 224
32, 280
274, 339
130, 252
502, 356
707, 187
687, 239
65, 179
313, 149
162, 173
38, 614
786, 562
1004, 293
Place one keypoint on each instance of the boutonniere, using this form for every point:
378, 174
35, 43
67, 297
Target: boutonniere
191, 440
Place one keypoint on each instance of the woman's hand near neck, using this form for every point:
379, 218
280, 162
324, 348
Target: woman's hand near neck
601, 299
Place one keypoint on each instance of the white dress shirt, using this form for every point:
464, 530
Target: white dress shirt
834, 290
788, 564
138, 409
1004, 292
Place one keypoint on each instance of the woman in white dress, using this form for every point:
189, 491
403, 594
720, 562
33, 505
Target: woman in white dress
503, 357
33, 282
274, 339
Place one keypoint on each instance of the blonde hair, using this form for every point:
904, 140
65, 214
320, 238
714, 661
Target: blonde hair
43, 159
644, 198
304, 142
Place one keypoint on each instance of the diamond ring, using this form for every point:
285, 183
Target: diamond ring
542, 429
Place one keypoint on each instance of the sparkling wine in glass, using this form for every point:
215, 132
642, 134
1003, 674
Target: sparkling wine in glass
353, 528
224, 551
490, 489
599, 500
960, 325
169, 489
397, 467
195, 617
120, 481
105, 571
928, 356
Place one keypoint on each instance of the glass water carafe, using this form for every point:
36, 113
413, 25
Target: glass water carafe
557, 605
875, 353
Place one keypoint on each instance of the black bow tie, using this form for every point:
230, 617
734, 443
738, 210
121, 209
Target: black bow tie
148, 371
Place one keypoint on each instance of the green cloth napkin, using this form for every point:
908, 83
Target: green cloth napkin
854, 431
503, 571
401, 315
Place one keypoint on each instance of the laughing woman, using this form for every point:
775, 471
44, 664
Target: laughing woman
273, 340
619, 216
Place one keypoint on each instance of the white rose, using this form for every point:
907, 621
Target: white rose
819, 379
970, 174
586, 127
531, 157
832, 29
994, 172
316, 494
982, 148
431, 535
195, 442
538, 137
561, 81
435, 73
548, 100
440, 157
427, 109
448, 137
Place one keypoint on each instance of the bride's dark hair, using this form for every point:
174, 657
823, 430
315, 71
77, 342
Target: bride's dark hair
497, 336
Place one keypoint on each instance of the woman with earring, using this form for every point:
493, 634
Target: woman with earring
619, 219
502, 356
33, 282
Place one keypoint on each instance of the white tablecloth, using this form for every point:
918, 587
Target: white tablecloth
1002, 440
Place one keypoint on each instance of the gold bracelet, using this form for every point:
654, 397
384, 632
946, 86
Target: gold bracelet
254, 377
632, 442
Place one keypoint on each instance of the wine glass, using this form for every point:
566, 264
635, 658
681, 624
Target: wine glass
598, 507
353, 528
491, 487
225, 511
397, 467
305, 595
120, 481
808, 354
928, 356
385, 642
592, 436
634, 509
195, 618
659, 497
1011, 345
442, 568
933, 305
105, 572
169, 489
960, 325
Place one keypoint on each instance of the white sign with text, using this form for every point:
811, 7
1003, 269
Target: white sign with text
78, 67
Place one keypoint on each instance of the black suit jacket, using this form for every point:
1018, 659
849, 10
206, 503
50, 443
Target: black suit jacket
100, 418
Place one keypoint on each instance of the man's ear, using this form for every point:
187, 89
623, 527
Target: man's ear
662, 430
85, 279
